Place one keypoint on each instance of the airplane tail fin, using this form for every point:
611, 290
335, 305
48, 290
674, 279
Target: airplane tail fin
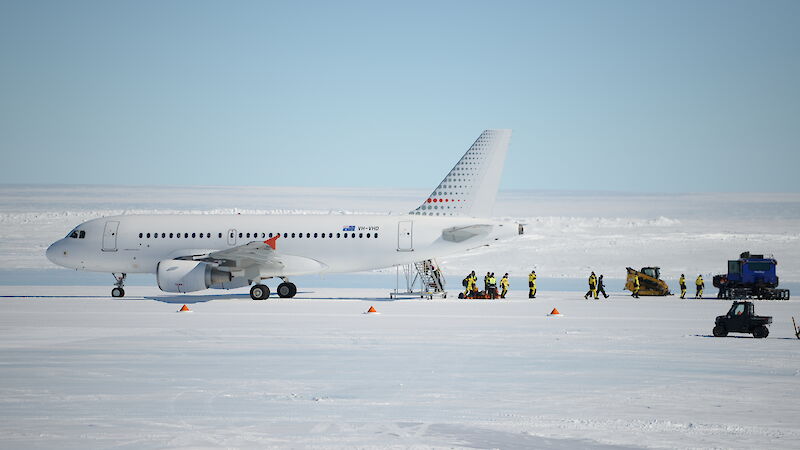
469, 189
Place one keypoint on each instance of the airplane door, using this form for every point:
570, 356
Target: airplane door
110, 236
405, 236
231, 237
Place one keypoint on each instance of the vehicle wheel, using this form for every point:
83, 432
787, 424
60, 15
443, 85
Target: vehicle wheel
287, 290
118, 292
259, 292
720, 331
761, 332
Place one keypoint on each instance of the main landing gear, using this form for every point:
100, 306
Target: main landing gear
259, 292
118, 291
285, 290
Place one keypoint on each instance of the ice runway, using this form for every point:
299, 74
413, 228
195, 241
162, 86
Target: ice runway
82, 370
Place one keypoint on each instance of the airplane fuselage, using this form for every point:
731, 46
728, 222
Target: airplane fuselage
338, 243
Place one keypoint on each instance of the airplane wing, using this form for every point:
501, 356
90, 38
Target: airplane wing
253, 253
263, 257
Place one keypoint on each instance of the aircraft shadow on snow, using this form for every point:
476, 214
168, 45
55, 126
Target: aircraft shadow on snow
189, 299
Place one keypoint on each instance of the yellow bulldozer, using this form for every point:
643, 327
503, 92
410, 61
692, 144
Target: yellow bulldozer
650, 282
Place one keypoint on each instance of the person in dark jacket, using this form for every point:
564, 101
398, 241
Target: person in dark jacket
601, 288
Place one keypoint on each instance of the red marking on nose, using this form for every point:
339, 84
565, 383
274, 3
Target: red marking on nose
271, 241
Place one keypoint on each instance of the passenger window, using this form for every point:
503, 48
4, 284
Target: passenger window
353, 235
300, 235
163, 235
248, 234
140, 235
285, 234
330, 235
201, 235
193, 235
345, 235
263, 235
338, 235
308, 235
360, 235
367, 235
148, 235
376, 235
171, 235
292, 234
220, 236
270, 235
186, 235
240, 235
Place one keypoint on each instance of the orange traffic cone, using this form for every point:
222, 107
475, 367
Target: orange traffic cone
184, 308
371, 310
555, 312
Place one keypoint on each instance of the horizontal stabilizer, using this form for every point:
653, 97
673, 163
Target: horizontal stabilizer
461, 234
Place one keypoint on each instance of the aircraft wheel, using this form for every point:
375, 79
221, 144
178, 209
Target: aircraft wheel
118, 292
720, 331
761, 332
259, 292
287, 290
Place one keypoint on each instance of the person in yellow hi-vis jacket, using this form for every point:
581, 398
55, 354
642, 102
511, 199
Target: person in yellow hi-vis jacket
636, 286
700, 285
532, 284
504, 286
682, 282
471, 280
592, 286
492, 286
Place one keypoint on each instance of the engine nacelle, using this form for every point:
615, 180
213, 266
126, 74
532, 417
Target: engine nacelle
178, 275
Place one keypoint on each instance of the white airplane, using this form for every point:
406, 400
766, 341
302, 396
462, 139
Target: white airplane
190, 253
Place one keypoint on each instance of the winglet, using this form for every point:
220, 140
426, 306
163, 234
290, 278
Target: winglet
271, 241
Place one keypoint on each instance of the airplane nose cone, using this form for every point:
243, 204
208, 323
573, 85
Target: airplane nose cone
55, 252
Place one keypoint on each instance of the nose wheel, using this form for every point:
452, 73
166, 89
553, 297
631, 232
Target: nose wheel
118, 291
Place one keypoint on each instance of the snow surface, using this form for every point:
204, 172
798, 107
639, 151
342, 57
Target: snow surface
567, 234
81, 370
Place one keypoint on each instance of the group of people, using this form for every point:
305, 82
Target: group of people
596, 287
489, 286
699, 283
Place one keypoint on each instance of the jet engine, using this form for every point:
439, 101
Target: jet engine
178, 275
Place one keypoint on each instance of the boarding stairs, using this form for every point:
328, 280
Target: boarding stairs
422, 278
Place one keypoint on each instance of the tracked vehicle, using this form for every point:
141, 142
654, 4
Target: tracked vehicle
750, 276
650, 282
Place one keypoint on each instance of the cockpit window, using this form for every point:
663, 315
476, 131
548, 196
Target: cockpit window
81, 234
74, 234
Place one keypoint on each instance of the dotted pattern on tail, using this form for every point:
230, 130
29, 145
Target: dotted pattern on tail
458, 191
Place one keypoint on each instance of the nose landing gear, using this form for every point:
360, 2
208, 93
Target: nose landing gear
120, 280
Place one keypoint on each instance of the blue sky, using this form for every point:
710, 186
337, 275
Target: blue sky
673, 96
